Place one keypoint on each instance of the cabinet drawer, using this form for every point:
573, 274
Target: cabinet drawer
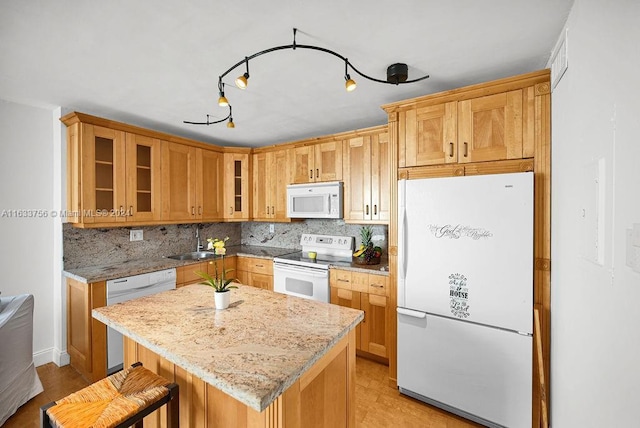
379, 284
360, 282
341, 279
255, 265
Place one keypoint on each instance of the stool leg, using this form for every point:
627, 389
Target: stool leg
173, 407
45, 422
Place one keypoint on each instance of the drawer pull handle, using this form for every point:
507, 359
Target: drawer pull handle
377, 285
193, 210
343, 280
450, 150
317, 173
466, 149
310, 173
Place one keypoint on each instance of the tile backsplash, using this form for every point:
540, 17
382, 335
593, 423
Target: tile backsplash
90, 247
287, 235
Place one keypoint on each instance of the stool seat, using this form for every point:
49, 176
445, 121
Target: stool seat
125, 396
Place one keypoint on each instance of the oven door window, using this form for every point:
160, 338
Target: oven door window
298, 286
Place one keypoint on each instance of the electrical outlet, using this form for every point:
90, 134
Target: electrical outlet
135, 235
272, 228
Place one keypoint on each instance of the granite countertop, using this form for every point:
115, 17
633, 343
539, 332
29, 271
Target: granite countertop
254, 350
105, 272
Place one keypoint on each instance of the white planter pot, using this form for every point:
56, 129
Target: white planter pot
222, 299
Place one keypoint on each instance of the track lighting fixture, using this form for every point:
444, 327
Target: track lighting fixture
396, 75
242, 81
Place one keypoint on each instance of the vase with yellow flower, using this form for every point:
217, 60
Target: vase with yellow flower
219, 282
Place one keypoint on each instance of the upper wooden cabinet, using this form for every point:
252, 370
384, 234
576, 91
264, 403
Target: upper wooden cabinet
487, 128
317, 162
367, 178
192, 184
236, 186
113, 176
270, 179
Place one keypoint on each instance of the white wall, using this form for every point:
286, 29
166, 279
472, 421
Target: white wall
26, 185
595, 345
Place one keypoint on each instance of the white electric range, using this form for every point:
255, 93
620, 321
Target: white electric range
299, 275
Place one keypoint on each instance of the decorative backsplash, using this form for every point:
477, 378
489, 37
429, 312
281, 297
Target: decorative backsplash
89, 247
287, 235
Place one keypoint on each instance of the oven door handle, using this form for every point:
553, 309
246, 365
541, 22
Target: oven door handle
318, 273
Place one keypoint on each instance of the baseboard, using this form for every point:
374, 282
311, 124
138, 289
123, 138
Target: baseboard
51, 355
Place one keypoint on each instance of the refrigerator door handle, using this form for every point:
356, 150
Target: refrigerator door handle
411, 313
402, 236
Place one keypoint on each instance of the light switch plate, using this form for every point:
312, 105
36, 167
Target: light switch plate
135, 235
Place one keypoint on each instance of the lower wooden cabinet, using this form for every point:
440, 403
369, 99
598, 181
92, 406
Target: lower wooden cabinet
186, 275
369, 293
255, 271
86, 337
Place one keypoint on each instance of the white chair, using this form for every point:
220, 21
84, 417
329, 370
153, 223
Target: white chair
19, 381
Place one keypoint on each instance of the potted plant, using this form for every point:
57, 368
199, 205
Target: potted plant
367, 254
220, 283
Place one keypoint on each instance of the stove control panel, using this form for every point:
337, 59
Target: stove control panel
327, 242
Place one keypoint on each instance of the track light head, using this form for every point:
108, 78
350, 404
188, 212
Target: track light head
222, 100
230, 124
242, 81
349, 83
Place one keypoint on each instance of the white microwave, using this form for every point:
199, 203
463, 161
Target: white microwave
315, 200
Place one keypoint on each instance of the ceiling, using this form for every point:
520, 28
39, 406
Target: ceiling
156, 63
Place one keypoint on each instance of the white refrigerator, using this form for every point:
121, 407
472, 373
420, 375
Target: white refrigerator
465, 295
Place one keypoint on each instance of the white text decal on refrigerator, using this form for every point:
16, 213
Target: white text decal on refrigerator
459, 295
458, 231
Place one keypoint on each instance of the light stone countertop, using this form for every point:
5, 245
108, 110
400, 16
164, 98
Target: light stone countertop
253, 351
105, 272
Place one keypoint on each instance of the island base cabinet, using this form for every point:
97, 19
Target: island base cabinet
324, 396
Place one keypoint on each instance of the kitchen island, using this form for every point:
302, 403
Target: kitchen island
269, 360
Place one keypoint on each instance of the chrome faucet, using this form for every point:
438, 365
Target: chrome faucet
199, 246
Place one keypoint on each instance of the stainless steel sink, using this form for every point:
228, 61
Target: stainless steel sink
196, 255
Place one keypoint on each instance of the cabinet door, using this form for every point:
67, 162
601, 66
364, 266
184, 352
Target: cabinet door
236, 186
430, 135
144, 178
303, 166
380, 177
228, 264
278, 173
327, 161
178, 182
261, 281
490, 128
261, 187
357, 192
209, 186
349, 299
103, 175
374, 334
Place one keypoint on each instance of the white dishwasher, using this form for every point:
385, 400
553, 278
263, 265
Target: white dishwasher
129, 288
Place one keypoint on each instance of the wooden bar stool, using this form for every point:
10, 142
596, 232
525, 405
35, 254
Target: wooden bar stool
117, 401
